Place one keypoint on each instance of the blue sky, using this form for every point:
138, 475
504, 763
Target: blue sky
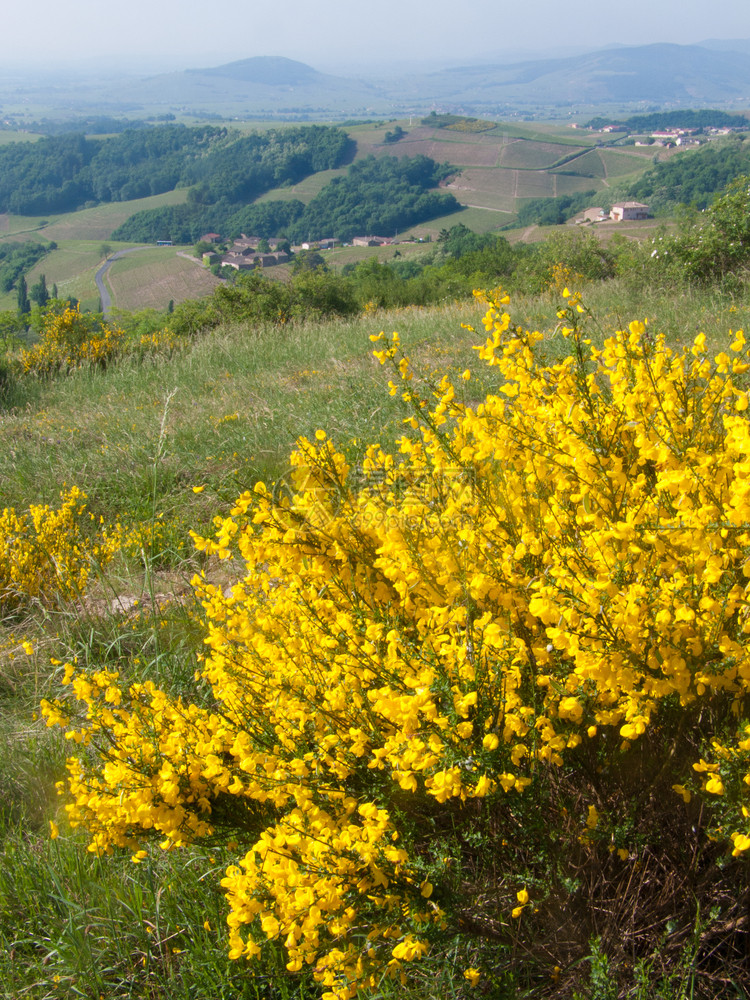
346, 35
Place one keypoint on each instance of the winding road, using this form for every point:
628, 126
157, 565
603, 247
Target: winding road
106, 298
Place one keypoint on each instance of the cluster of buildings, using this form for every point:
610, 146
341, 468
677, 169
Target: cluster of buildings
675, 136
624, 211
245, 253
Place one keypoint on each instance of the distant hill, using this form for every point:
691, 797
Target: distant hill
687, 75
727, 44
262, 85
714, 74
660, 73
274, 71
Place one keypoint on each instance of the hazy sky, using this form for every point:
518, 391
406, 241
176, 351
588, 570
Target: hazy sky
346, 34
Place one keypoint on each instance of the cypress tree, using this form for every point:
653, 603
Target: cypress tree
24, 306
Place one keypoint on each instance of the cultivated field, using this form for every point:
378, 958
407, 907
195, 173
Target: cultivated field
306, 190
150, 278
97, 223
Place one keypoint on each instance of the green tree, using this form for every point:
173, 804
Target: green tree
309, 260
38, 292
24, 305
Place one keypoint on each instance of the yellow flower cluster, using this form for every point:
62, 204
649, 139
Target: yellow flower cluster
71, 340
559, 561
561, 276
50, 551
160, 342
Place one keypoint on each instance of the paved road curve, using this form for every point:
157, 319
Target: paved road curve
106, 298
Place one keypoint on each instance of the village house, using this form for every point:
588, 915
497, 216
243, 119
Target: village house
371, 241
245, 242
238, 262
673, 133
248, 260
628, 210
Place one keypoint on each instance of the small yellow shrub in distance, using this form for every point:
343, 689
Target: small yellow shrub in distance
49, 552
566, 561
159, 343
69, 340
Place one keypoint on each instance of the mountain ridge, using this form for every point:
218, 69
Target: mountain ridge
629, 78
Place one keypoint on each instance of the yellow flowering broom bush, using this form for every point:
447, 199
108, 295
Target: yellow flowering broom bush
69, 340
50, 552
533, 587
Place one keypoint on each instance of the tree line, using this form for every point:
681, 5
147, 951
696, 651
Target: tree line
380, 196
18, 258
687, 118
62, 173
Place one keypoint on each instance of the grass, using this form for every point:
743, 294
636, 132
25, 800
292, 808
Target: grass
590, 165
98, 222
87, 223
244, 395
8, 136
619, 163
306, 190
531, 155
242, 398
221, 414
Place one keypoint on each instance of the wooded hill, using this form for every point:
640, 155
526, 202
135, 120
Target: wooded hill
683, 118
376, 196
63, 173
694, 178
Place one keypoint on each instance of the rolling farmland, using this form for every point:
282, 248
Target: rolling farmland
497, 169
